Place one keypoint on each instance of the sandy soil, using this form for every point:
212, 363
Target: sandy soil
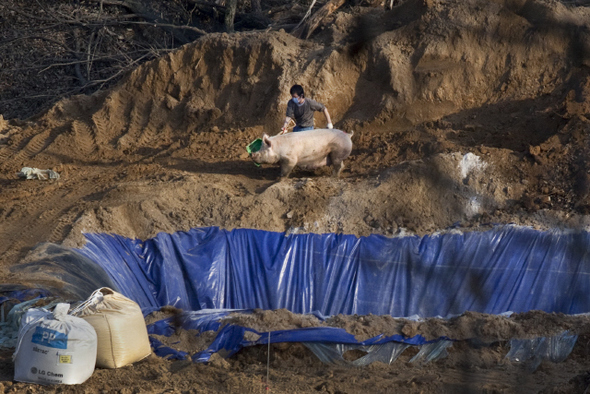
482, 327
293, 368
487, 328
465, 113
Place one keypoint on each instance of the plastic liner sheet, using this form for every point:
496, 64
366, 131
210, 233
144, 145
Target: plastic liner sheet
63, 272
205, 320
387, 353
10, 324
167, 352
431, 352
231, 338
503, 269
14, 301
21, 294
531, 352
330, 344
333, 353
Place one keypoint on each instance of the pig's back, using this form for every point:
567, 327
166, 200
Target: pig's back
320, 137
319, 142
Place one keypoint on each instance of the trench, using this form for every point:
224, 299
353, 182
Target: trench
211, 272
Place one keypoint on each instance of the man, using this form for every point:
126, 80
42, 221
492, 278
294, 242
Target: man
301, 109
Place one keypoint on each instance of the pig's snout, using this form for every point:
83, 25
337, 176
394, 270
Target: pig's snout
256, 157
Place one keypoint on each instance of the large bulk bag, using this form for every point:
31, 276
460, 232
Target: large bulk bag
120, 327
54, 348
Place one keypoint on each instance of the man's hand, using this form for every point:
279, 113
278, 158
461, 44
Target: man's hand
330, 126
285, 127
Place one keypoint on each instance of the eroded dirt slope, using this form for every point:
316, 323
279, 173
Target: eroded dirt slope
469, 112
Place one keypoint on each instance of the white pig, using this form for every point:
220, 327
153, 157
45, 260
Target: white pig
308, 150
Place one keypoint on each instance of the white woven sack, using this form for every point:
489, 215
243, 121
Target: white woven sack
54, 348
120, 327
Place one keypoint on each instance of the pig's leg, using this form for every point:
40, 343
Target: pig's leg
337, 163
337, 168
287, 166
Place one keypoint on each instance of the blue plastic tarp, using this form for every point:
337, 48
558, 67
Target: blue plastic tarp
504, 269
24, 295
231, 338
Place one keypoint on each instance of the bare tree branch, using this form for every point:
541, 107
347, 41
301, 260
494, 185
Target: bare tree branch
77, 68
145, 12
256, 6
112, 2
89, 53
119, 57
128, 67
61, 44
163, 25
206, 3
31, 16
312, 23
230, 14
307, 14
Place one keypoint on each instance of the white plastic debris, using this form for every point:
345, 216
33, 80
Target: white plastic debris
471, 163
36, 173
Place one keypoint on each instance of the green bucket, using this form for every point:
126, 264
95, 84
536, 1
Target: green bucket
254, 146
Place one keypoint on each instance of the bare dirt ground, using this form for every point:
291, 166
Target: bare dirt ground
465, 113
294, 368
475, 363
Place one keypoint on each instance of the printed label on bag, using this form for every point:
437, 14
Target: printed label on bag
50, 338
42, 375
65, 359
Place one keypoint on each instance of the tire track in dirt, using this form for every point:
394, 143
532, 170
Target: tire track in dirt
149, 132
51, 212
100, 123
64, 225
138, 119
19, 234
5, 153
33, 147
10, 151
84, 138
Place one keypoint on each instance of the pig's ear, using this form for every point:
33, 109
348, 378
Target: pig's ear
266, 140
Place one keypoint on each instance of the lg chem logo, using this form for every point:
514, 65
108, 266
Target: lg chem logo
33, 370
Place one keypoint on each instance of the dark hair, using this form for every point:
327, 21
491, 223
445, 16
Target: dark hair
298, 90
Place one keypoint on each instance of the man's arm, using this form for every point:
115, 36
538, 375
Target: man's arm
330, 126
290, 115
321, 107
285, 125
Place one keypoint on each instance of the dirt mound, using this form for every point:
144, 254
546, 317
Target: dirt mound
266, 320
189, 341
465, 113
418, 62
483, 327
470, 325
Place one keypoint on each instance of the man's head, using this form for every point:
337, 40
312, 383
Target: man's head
297, 92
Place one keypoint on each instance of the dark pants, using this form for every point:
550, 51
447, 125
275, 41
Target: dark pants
299, 128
